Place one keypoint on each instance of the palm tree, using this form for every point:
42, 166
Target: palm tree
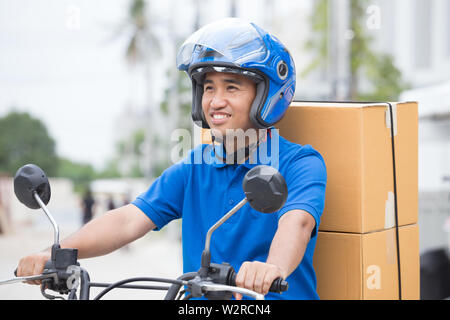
143, 47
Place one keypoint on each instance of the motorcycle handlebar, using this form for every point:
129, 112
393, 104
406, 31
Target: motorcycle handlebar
278, 285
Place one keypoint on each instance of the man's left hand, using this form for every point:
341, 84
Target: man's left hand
257, 276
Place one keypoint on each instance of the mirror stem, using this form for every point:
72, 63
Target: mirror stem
206, 261
49, 216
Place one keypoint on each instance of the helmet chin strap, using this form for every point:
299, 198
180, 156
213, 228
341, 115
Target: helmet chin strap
239, 155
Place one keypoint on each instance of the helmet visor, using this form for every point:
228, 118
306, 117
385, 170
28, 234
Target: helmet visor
229, 40
199, 73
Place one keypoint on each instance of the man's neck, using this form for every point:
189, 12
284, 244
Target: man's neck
238, 147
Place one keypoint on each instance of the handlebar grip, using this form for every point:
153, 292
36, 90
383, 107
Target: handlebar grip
278, 285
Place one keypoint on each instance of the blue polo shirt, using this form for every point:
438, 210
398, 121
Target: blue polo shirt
200, 189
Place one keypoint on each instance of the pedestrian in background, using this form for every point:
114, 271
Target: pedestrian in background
88, 204
111, 204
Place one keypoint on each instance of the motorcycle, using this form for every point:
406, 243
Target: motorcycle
265, 190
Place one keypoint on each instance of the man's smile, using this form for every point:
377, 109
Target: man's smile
218, 118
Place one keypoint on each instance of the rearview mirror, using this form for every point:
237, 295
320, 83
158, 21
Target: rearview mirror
265, 189
28, 180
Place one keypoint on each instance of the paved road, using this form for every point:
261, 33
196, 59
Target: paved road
155, 255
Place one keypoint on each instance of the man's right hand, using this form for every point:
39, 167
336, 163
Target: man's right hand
33, 265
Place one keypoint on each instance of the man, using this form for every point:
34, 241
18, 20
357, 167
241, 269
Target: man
243, 80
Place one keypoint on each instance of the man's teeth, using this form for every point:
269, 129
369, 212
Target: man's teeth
220, 116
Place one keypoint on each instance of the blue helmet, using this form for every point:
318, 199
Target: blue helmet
236, 46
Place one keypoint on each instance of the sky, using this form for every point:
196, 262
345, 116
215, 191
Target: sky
64, 63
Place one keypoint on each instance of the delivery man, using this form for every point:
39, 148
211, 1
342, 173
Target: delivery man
243, 80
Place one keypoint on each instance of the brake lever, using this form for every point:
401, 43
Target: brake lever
30, 278
198, 287
210, 286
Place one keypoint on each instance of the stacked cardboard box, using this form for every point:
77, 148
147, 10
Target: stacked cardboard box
369, 223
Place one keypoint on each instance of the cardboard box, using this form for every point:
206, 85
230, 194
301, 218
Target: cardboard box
351, 266
356, 143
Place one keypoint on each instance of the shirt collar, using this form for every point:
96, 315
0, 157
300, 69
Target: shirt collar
264, 148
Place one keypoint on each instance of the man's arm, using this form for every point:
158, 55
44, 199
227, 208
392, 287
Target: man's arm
109, 232
100, 236
286, 252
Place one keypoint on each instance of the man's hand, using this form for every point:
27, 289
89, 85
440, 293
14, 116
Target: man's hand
33, 265
257, 276
286, 252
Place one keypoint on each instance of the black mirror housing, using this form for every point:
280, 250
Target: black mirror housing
28, 180
265, 189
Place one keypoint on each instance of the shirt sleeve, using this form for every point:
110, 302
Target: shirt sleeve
163, 201
306, 179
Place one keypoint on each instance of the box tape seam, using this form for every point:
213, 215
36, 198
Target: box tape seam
393, 134
392, 107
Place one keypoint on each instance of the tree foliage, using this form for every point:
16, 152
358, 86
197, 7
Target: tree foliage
318, 41
385, 79
81, 174
377, 70
24, 139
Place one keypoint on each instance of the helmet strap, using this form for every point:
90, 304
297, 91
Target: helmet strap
240, 155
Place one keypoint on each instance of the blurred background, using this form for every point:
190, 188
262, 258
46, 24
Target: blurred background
89, 90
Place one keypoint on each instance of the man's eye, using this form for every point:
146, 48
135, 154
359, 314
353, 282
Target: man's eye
208, 88
232, 88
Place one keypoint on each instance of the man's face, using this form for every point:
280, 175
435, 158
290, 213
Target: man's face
226, 101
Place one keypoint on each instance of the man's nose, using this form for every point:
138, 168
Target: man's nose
218, 100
